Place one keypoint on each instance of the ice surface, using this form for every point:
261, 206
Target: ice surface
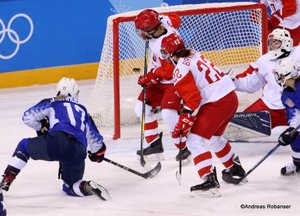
37, 191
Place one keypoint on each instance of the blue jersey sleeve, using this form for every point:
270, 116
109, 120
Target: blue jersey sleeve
34, 115
95, 139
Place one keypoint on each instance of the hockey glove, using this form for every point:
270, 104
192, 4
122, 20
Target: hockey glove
98, 156
286, 138
274, 20
183, 125
150, 79
44, 128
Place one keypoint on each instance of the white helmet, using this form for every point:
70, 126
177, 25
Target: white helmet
286, 43
286, 69
67, 87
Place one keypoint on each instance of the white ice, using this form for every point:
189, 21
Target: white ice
37, 191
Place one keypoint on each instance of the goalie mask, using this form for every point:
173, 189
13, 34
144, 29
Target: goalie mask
171, 45
280, 44
286, 69
146, 22
67, 87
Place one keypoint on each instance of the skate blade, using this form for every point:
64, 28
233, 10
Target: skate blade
104, 193
211, 193
153, 157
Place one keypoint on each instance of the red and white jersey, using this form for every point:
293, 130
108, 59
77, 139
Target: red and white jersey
155, 44
288, 9
260, 75
198, 81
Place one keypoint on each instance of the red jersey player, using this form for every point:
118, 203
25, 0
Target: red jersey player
284, 14
260, 75
158, 81
205, 88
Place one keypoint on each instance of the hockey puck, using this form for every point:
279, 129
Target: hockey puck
136, 70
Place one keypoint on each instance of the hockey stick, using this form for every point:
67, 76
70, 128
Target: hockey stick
149, 174
237, 181
179, 171
142, 159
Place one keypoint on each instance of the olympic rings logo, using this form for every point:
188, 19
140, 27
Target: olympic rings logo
13, 35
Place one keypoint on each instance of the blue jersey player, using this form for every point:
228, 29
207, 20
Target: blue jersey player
66, 131
287, 75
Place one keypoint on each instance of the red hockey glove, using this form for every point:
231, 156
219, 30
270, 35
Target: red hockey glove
286, 138
98, 156
44, 128
183, 125
149, 80
274, 20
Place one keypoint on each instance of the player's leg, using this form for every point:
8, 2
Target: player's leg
170, 106
213, 118
278, 117
199, 146
294, 167
151, 133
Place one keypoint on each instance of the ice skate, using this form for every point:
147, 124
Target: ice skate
6, 181
233, 174
185, 155
95, 189
154, 151
209, 188
290, 169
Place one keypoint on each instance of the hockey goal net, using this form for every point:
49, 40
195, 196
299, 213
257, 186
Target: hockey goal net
231, 35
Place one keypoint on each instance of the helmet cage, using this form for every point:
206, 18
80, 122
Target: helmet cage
286, 43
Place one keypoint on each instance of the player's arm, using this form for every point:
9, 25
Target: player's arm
96, 145
165, 71
34, 116
250, 80
189, 93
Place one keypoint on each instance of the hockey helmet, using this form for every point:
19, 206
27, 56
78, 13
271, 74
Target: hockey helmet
147, 20
284, 48
67, 87
285, 69
171, 45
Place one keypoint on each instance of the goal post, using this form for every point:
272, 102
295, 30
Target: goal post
230, 35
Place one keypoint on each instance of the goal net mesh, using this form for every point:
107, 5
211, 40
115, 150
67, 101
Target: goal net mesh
231, 35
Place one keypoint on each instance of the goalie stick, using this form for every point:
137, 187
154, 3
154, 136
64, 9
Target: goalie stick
150, 174
239, 180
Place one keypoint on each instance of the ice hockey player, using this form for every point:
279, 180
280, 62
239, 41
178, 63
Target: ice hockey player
259, 75
158, 82
2, 205
284, 14
200, 84
66, 132
287, 75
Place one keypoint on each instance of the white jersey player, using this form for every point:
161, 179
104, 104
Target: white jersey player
284, 14
158, 81
205, 88
260, 75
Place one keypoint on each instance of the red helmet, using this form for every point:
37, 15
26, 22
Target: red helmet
147, 20
172, 44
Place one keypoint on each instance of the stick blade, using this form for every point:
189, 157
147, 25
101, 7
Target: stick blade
178, 177
153, 172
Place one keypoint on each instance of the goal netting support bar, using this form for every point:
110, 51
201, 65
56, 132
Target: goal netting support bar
231, 35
